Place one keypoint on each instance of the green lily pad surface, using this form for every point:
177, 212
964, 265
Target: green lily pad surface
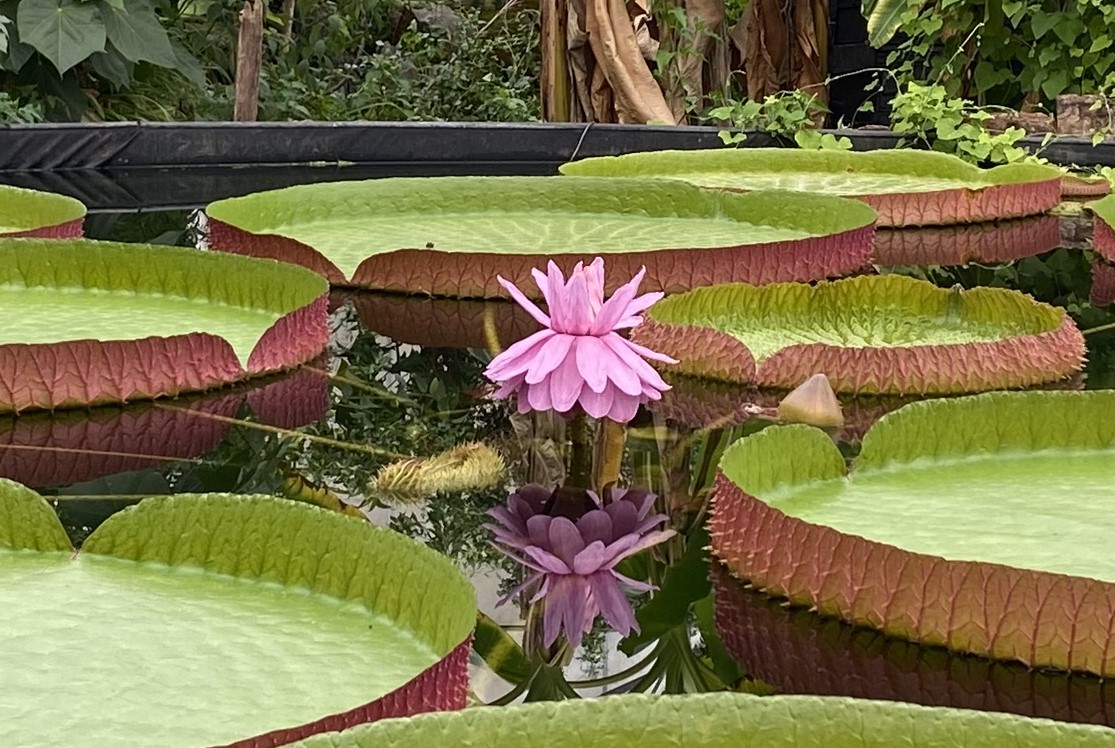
721, 720
26, 212
982, 524
91, 322
453, 235
204, 620
1104, 236
906, 187
871, 334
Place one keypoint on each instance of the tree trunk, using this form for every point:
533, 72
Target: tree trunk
249, 54
556, 96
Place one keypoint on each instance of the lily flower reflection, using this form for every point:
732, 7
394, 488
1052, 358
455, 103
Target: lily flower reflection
571, 541
580, 359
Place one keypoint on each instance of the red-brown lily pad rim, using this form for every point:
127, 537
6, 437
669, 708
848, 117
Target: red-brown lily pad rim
1007, 191
279, 224
86, 372
1040, 342
1039, 618
276, 542
1104, 235
1002, 241
25, 212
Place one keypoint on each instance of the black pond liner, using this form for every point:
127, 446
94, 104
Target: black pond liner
130, 165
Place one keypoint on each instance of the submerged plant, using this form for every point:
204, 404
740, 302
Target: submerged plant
571, 541
580, 360
468, 467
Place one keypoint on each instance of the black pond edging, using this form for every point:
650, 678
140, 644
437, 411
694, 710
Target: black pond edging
132, 166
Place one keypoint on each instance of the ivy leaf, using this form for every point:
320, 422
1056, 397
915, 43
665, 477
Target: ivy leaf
1103, 41
1056, 83
135, 30
1041, 23
63, 31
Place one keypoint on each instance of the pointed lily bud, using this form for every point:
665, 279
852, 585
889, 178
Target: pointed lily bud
812, 402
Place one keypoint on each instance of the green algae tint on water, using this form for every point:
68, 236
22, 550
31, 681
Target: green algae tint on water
1050, 511
56, 315
179, 657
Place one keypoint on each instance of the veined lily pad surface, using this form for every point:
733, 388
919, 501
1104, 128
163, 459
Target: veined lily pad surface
452, 236
220, 620
871, 334
981, 524
721, 720
1104, 211
26, 212
905, 187
96, 322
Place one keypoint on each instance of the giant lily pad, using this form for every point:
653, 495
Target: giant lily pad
871, 334
720, 720
1102, 293
26, 212
1001, 241
94, 322
982, 524
452, 236
213, 620
44, 450
906, 188
797, 651
1104, 211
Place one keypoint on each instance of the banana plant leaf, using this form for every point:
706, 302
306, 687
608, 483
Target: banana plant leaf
25, 212
220, 620
719, 720
95, 322
873, 335
905, 187
452, 236
981, 524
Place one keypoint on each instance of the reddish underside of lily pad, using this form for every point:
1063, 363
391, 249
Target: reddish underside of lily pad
473, 274
60, 450
959, 245
926, 369
91, 372
69, 230
800, 653
441, 687
1103, 284
964, 205
1104, 239
1037, 618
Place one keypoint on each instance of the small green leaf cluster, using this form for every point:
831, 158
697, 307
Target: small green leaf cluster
789, 116
1009, 51
928, 115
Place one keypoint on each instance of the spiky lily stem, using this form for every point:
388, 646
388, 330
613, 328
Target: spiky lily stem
580, 455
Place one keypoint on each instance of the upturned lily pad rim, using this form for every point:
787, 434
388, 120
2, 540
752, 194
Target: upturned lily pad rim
278, 542
271, 211
719, 720
23, 210
893, 162
688, 327
1040, 618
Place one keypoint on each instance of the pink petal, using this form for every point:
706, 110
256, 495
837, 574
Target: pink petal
595, 276
530, 581
596, 525
624, 407
567, 607
645, 542
565, 385
648, 353
639, 367
597, 405
543, 284
612, 603
616, 308
537, 397
591, 559
518, 357
616, 369
549, 357
547, 561
538, 529
576, 305
634, 316
524, 302
624, 516
565, 541
588, 353
555, 299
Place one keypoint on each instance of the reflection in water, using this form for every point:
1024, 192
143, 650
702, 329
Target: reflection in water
1103, 283
996, 242
798, 652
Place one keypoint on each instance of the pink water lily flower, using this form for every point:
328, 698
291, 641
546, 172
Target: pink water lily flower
580, 359
571, 541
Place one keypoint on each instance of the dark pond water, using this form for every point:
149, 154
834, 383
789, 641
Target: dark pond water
403, 375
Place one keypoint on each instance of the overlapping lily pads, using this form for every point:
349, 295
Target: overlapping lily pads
871, 335
44, 450
220, 620
798, 652
452, 236
905, 187
1104, 211
720, 720
93, 322
26, 212
981, 524
1001, 241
